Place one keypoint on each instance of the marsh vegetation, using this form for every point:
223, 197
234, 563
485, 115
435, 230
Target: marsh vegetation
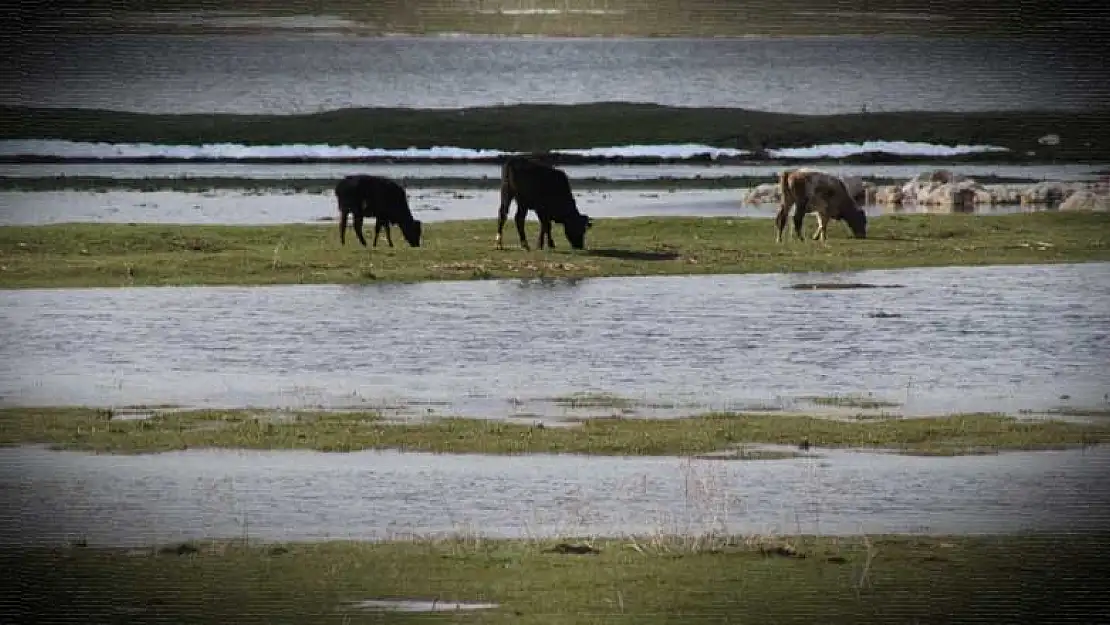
100, 431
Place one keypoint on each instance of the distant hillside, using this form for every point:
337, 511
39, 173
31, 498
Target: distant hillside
581, 17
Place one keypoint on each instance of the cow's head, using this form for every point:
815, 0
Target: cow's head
412, 231
857, 222
575, 229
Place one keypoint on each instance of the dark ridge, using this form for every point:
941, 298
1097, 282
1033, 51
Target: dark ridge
1084, 136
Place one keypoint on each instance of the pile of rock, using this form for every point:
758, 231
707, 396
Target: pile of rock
1087, 200
767, 193
941, 189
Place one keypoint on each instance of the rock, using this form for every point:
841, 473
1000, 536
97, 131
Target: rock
888, 196
926, 183
1086, 201
955, 195
1006, 194
567, 548
1048, 193
1049, 139
784, 551
768, 193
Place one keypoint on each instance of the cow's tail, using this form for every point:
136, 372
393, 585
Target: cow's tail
341, 192
508, 185
784, 184
785, 203
508, 175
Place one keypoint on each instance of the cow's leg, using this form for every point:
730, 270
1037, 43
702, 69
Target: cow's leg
503, 211
377, 231
519, 217
550, 241
800, 218
357, 225
342, 227
545, 233
780, 221
380, 225
821, 222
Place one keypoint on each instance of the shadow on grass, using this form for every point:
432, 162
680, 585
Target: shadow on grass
632, 254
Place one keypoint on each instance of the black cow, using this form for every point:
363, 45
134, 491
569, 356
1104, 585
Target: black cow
381, 198
545, 190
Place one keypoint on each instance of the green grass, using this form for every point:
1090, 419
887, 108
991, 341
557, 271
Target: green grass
95, 430
884, 579
539, 127
88, 255
326, 186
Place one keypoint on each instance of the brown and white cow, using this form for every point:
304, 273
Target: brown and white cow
821, 193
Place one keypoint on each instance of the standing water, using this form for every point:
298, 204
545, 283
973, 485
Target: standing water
1001, 338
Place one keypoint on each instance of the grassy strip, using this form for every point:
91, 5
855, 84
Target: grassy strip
905, 579
87, 255
95, 430
542, 127
853, 401
326, 186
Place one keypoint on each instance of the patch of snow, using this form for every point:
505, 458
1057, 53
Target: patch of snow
64, 149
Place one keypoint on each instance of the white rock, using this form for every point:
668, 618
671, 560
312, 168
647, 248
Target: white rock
1048, 192
1084, 200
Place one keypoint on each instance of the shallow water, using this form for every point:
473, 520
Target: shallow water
286, 496
432, 205
968, 338
410, 605
237, 207
1063, 171
284, 73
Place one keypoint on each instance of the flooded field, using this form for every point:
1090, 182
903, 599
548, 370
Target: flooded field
250, 207
286, 496
1061, 171
1002, 338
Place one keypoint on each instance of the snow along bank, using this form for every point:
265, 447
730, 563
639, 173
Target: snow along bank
64, 149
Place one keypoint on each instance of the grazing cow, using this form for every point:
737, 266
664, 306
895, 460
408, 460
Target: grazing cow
811, 191
545, 190
381, 198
